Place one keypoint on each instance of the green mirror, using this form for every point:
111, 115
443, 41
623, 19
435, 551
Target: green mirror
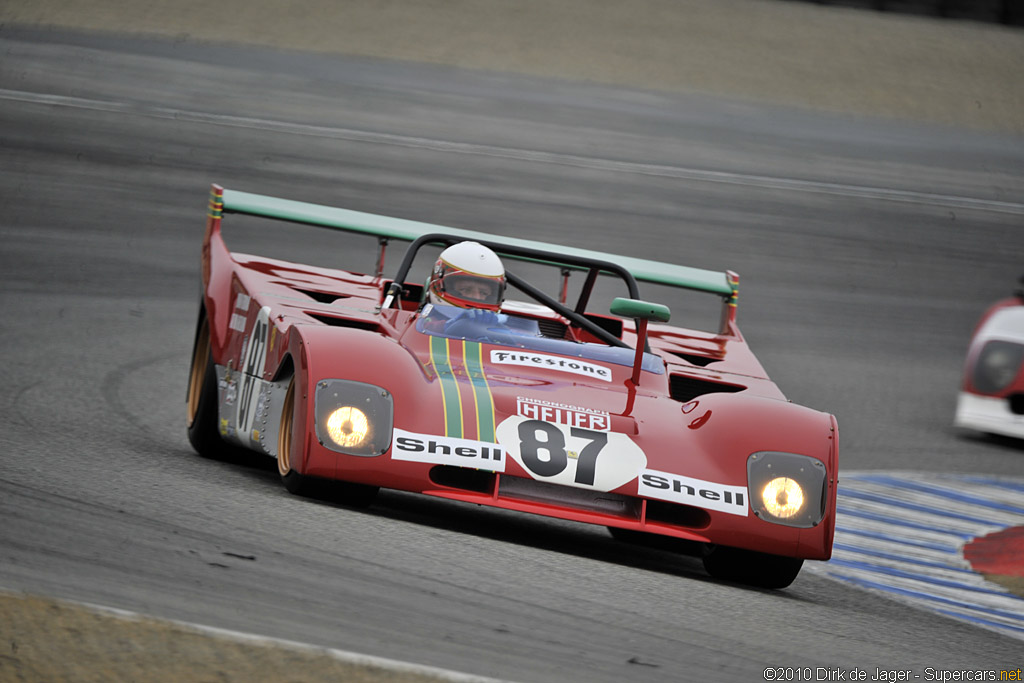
634, 308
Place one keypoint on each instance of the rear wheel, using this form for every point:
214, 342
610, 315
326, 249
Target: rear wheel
202, 398
752, 568
346, 493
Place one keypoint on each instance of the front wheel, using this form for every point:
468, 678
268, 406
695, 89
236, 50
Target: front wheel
346, 493
292, 480
202, 398
762, 570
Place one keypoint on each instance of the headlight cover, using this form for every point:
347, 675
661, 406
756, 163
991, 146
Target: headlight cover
353, 418
786, 488
997, 366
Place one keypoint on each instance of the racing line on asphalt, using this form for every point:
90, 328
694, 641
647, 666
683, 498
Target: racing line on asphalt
596, 163
904, 534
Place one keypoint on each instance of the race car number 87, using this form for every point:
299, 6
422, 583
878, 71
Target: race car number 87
555, 457
568, 455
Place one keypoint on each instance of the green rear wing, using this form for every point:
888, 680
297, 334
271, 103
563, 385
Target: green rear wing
724, 284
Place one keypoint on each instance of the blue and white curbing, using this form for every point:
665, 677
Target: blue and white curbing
903, 534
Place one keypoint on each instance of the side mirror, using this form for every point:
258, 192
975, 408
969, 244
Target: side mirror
642, 311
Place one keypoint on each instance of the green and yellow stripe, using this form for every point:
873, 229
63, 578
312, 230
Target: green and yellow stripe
482, 397
440, 358
465, 394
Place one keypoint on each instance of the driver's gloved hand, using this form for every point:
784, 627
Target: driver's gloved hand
472, 322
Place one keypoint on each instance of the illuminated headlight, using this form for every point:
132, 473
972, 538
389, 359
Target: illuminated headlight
352, 417
786, 488
782, 497
997, 366
348, 427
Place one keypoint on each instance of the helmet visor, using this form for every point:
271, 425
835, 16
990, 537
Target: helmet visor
474, 289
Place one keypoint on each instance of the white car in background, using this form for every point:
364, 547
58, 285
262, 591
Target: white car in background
992, 393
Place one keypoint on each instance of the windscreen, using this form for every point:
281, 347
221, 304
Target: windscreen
520, 332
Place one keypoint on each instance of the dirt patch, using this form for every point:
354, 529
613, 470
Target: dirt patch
47, 640
832, 58
1014, 584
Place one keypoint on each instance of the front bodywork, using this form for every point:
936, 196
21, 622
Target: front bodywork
517, 419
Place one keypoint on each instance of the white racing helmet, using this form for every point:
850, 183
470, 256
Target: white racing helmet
467, 275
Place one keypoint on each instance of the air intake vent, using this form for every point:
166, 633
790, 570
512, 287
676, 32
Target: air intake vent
611, 325
477, 481
530, 490
1017, 404
551, 328
685, 389
344, 322
692, 359
677, 515
322, 297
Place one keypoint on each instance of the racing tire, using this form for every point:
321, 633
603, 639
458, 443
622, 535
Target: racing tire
292, 480
202, 398
762, 570
346, 493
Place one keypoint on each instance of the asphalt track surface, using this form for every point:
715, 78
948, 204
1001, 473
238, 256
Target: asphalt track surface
867, 250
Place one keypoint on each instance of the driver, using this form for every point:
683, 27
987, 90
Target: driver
468, 275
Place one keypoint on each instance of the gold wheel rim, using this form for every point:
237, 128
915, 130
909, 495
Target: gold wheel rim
284, 439
198, 373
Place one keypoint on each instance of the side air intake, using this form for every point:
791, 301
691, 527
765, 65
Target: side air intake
322, 297
684, 388
344, 322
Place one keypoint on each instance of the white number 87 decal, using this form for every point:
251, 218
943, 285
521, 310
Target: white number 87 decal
571, 456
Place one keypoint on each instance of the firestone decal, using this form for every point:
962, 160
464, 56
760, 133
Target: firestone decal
446, 450
709, 495
544, 361
571, 456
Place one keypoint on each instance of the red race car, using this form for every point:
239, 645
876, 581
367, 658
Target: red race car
538, 403
992, 393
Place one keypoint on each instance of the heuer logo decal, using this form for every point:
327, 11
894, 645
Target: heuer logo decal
446, 450
563, 413
544, 361
697, 492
